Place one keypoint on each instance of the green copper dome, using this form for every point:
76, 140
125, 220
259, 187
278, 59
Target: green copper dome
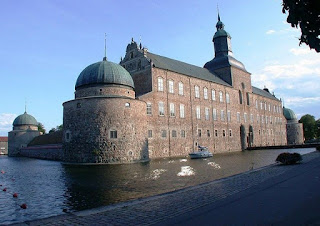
289, 114
25, 119
104, 72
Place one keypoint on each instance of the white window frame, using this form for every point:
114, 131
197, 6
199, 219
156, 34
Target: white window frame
182, 115
221, 96
161, 108
213, 94
206, 111
172, 110
205, 93
214, 114
222, 115
181, 88
197, 91
229, 116
198, 112
160, 84
227, 98
149, 108
171, 86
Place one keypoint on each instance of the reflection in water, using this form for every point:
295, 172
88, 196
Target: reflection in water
48, 187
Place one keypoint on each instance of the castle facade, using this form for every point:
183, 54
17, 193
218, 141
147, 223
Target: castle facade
153, 106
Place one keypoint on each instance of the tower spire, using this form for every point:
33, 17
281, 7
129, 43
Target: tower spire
105, 47
218, 12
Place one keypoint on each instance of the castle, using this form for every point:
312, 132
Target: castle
151, 106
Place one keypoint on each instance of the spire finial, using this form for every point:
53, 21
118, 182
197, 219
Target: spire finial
140, 45
25, 105
218, 12
105, 47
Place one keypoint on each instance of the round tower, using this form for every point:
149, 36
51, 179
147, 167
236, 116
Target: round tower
294, 128
104, 123
25, 128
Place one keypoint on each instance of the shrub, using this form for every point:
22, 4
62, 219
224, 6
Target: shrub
289, 158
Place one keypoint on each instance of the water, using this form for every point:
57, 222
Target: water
49, 187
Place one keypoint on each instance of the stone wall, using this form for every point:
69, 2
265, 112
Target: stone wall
18, 139
4, 147
295, 132
48, 152
88, 125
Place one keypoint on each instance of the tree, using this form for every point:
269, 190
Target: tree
305, 14
318, 128
58, 128
41, 128
309, 125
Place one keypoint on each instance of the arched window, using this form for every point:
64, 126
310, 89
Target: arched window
248, 99
220, 96
240, 97
227, 98
197, 91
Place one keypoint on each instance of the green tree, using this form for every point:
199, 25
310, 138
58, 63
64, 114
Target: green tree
318, 128
305, 14
309, 125
58, 128
41, 128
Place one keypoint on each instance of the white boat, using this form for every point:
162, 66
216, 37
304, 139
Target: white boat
202, 152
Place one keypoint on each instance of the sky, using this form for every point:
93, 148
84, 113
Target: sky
45, 44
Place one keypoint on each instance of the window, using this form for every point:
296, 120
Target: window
163, 133
181, 111
181, 88
206, 111
214, 114
274, 108
248, 99
262, 119
174, 133
266, 119
222, 115
270, 119
131, 55
240, 97
149, 109
229, 116
216, 132
205, 93
213, 94
261, 105
198, 112
220, 96
183, 133
258, 118
265, 106
208, 133
171, 90
238, 117
197, 91
78, 105
139, 65
127, 105
269, 107
149, 133
160, 84
230, 133
172, 112
113, 134
223, 133
199, 132
245, 117
161, 108
257, 104
227, 98
251, 118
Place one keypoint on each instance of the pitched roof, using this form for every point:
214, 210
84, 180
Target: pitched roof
3, 139
263, 93
184, 68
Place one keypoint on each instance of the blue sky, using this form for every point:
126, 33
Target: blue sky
45, 44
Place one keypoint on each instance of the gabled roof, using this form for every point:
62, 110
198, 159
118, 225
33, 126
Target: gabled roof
3, 139
184, 68
263, 93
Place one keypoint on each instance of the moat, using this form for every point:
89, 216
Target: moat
49, 188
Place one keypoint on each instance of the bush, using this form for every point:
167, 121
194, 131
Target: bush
289, 158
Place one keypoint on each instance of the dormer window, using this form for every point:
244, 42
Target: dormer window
131, 55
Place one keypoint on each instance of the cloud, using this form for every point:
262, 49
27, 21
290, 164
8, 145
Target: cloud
6, 120
269, 32
300, 51
301, 101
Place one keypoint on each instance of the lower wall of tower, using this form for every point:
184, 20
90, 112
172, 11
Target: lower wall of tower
105, 130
